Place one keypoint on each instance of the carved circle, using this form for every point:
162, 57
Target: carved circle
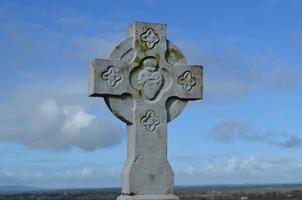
120, 106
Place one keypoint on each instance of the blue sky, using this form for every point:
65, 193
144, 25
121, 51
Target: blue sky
247, 129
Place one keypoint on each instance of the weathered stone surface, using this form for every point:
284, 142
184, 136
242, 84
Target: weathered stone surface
146, 83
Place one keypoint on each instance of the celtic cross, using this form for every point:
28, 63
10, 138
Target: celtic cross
146, 83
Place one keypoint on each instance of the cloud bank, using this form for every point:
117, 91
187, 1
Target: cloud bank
236, 170
232, 130
57, 127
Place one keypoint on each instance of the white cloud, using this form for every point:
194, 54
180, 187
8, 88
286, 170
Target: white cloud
57, 127
87, 171
76, 119
210, 169
254, 166
47, 104
232, 165
80, 176
235, 170
191, 170
49, 110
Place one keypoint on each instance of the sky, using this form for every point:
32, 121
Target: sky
246, 130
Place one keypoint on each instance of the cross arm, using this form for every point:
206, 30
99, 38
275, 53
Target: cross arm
188, 81
108, 77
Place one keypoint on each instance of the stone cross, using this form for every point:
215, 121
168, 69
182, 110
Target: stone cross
146, 83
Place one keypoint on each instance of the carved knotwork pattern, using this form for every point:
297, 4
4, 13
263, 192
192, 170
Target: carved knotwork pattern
112, 76
187, 80
150, 121
150, 38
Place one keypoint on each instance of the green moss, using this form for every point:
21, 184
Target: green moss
177, 54
123, 69
137, 60
157, 56
143, 48
137, 44
152, 177
187, 93
101, 74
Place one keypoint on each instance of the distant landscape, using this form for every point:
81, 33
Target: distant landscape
218, 192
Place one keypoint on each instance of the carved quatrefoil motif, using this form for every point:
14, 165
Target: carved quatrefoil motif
112, 76
150, 121
150, 38
187, 80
